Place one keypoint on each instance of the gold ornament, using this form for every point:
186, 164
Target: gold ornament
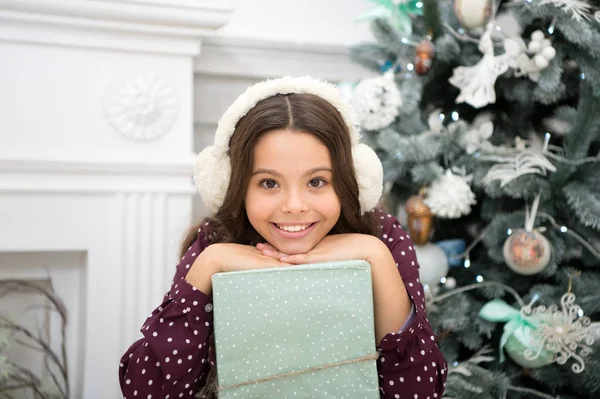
420, 219
527, 252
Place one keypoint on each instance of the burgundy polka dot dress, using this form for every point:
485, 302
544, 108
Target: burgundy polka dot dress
174, 357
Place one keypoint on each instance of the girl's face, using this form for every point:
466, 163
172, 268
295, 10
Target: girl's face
290, 200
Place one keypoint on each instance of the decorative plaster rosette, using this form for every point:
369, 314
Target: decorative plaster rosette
141, 106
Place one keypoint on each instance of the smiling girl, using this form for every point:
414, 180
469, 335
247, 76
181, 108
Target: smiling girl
289, 183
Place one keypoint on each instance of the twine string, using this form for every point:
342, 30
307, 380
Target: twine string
373, 356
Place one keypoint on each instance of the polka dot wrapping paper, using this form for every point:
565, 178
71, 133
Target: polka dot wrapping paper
271, 322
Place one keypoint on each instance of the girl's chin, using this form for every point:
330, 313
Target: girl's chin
291, 249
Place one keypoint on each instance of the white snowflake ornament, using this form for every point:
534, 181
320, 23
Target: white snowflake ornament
565, 332
450, 196
377, 101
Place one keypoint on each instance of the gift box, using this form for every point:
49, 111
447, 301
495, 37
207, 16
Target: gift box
303, 331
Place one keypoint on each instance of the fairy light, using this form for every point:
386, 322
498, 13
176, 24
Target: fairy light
455, 116
467, 263
509, 232
404, 40
442, 116
580, 312
419, 5
563, 229
410, 66
479, 278
582, 76
443, 280
551, 27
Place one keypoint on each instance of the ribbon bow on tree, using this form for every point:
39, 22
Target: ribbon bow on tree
543, 335
499, 311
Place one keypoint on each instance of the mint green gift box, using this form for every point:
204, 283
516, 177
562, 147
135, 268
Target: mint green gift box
314, 322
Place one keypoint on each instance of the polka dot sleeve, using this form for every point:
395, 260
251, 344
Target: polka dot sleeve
411, 365
172, 359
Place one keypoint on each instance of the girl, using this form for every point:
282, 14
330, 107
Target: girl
289, 184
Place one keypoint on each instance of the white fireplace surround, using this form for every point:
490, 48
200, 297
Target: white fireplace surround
103, 104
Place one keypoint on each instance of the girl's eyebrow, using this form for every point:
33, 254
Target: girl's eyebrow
309, 172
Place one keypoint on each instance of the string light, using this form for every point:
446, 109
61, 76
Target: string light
419, 5
410, 66
509, 232
443, 280
551, 27
467, 263
563, 229
582, 76
479, 278
455, 116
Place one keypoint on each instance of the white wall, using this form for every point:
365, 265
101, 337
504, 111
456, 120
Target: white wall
299, 21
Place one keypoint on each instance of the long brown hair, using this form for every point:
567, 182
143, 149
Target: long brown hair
296, 112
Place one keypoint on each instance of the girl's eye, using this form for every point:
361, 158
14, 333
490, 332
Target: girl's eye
317, 182
268, 183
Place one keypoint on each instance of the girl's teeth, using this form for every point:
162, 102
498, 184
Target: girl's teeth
293, 228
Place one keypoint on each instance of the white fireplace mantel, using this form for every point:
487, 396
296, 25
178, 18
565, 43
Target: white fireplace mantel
96, 147
157, 26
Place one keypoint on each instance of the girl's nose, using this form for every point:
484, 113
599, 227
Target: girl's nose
294, 202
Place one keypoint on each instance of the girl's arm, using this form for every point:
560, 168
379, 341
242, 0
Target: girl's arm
173, 357
411, 364
390, 300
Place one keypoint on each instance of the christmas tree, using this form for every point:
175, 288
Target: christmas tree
486, 117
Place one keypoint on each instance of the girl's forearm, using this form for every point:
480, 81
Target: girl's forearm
391, 301
201, 272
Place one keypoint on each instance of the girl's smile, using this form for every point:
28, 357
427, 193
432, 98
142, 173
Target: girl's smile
294, 230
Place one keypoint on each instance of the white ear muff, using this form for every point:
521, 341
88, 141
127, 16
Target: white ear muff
212, 171
369, 174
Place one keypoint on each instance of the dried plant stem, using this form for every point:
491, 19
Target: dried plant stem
23, 378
